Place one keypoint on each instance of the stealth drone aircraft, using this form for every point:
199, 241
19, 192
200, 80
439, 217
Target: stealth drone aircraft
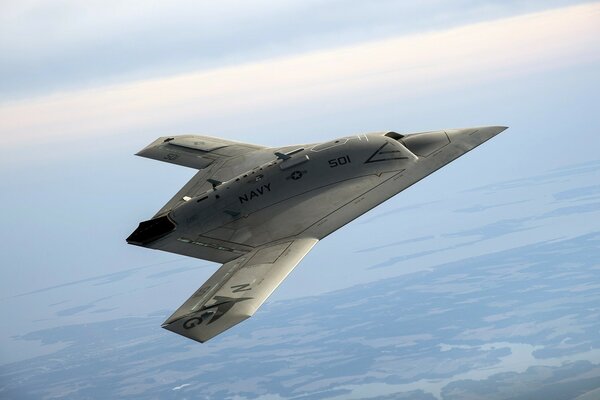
259, 210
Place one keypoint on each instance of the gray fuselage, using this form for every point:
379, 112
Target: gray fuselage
301, 189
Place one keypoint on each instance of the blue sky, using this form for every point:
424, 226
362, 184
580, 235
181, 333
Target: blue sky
86, 85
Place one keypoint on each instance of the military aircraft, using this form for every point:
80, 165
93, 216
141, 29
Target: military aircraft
260, 210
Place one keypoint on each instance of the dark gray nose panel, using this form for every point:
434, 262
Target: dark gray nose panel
426, 143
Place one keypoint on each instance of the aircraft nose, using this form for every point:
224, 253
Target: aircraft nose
494, 130
474, 136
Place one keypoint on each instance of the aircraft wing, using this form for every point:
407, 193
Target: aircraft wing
195, 151
237, 289
215, 158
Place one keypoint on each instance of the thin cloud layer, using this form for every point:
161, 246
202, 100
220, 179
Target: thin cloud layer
68, 44
371, 72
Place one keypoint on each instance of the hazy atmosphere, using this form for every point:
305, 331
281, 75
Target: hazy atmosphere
481, 281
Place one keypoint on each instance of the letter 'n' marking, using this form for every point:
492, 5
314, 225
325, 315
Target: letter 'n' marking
241, 288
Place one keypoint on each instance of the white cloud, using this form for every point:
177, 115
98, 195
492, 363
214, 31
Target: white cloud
181, 386
369, 72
